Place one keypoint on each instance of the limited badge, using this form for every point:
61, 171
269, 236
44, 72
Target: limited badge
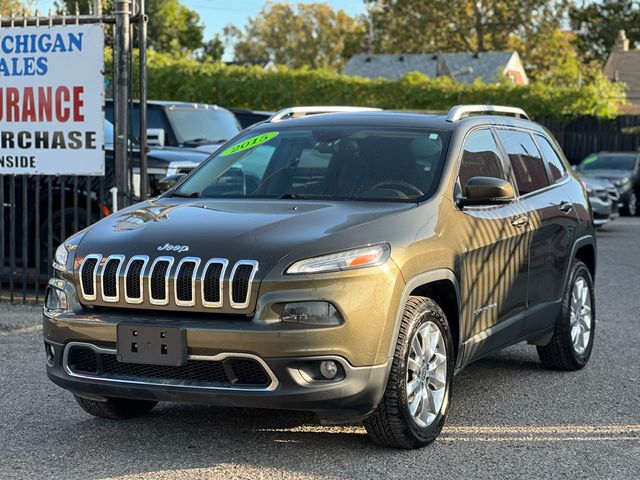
249, 143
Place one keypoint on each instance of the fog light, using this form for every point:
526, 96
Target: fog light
328, 369
311, 313
50, 352
56, 300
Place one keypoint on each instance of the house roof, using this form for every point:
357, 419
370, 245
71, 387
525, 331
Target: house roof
462, 67
624, 66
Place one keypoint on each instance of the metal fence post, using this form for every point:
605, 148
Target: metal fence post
121, 101
142, 44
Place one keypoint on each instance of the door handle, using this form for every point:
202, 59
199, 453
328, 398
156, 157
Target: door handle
566, 207
520, 221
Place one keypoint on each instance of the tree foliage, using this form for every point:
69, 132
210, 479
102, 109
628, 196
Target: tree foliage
529, 26
173, 28
598, 23
253, 87
15, 6
312, 35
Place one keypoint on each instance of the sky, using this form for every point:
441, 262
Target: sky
216, 14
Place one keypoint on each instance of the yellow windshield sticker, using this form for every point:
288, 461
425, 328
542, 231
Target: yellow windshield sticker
249, 143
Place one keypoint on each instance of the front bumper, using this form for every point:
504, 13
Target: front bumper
602, 210
351, 398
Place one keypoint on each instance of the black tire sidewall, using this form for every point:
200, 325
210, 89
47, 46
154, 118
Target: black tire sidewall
425, 435
578, 270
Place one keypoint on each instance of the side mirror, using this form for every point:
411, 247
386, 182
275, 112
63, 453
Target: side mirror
155, 137
167, 183
487, 191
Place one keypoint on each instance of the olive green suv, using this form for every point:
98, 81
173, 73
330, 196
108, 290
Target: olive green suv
345, 263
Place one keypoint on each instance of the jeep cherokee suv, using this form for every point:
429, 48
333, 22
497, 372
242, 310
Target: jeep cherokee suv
342, 263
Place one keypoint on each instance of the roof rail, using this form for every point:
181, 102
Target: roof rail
295, 112
461, 111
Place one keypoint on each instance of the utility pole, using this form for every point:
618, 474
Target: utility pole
142, 43
121, 76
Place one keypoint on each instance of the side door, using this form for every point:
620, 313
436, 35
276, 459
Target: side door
495, 262
541, 178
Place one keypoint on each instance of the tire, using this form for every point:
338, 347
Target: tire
630, 208
563, 353
392, 424
116, 408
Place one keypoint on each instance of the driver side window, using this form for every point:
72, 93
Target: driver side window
480, 158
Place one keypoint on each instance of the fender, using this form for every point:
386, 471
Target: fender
417, 281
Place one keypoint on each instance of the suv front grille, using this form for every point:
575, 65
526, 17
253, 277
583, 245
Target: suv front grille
230, 372
165, 281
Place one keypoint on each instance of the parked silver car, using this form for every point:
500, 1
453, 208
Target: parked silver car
604, 199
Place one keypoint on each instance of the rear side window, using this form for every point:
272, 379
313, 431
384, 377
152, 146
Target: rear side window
556, 167
480, 158
526, 161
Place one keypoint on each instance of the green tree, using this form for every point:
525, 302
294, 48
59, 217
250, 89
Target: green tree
15, 6
529, 26
312, 35
173, 28
212, 51
598, 23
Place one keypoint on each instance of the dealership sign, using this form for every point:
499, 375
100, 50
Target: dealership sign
51, 100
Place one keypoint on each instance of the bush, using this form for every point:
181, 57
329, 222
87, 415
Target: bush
254, 88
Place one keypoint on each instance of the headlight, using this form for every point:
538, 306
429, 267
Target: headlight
347, 260
61, 257
56, 300
622, 182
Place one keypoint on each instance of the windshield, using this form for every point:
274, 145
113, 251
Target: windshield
203, 125
608, 162
333, 163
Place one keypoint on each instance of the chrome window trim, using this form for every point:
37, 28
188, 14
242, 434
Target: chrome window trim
145, 260
225, 263
212, 358
94, 276
165, 300
254, 270
106, 261
194, 275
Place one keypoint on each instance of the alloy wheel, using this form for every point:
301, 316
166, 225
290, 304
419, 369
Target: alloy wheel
426, 374
581, 318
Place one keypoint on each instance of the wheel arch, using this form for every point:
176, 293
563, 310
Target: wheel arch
585, 250
442, 287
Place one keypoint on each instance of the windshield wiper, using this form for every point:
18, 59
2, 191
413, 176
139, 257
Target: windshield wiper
204, 140
185, 195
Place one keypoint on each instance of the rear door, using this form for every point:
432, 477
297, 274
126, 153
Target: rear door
495, 262
541, 178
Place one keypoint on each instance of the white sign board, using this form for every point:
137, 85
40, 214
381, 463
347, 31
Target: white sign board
51, 100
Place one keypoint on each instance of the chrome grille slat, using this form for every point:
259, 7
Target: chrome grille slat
166, 281
159, 280
212, 282
185, 282
134, 275
242, 277
88, 280
110, 278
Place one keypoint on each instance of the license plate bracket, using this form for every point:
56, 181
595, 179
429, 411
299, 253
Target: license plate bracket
151, 344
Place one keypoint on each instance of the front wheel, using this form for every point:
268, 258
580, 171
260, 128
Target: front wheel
572, 341
630, 208
414, 407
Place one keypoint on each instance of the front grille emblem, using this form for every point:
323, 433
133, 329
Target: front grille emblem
167, 247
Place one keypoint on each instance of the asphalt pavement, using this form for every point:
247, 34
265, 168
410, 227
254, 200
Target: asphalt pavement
509, 417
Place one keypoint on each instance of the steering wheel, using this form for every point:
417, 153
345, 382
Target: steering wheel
401, 186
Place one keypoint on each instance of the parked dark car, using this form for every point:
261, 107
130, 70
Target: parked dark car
183, 124
620, 168
342, 263
247, 118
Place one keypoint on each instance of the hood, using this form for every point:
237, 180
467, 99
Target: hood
594, 183
169, 154
611, 175
262, 230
